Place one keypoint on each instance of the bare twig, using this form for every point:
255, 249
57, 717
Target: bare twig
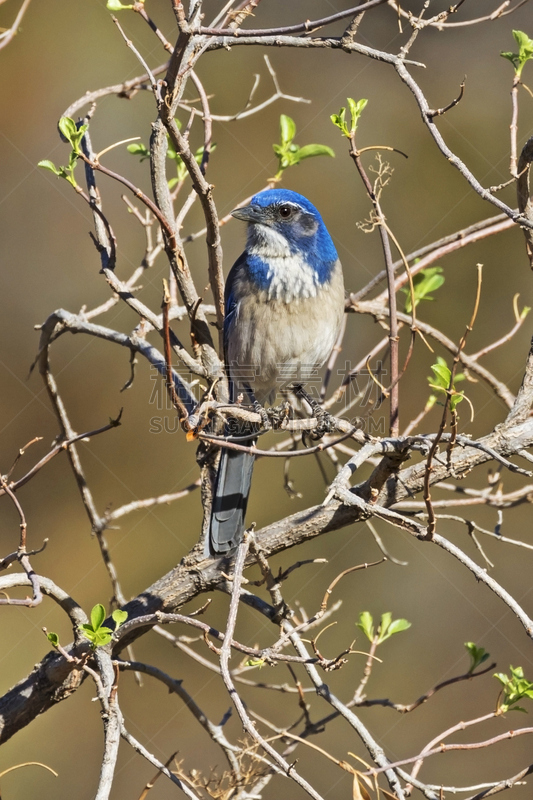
215, 731
139, 748
7, 35
303, 27
225, 653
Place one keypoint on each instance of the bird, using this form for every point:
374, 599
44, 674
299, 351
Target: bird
284, 305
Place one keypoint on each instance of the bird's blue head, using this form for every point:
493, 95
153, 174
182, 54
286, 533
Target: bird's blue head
283, 224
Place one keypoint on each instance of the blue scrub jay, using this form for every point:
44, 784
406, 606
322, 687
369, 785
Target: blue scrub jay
284, 303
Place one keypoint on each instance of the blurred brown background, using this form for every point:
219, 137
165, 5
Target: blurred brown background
49, 262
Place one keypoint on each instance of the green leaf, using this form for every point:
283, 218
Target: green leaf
287, 129
477, 655
72, 133
515, 688
98, 615
70, 178
389, 627
424, 282
356, 109
512, 57
525, 52
53, 638
310, 150
255, 662
67, 126
99, 636
289, 154
339, 120
441, 382
102, 637
398, 625
385, 621
50, 166
460, 376
87, 628
139, 149
525, 48
366, 624
73, 160
119, 616
442, 375
455, 399
116, 5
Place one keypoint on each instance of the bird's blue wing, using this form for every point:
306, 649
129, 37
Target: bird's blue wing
230, 307
230, 297
235, 467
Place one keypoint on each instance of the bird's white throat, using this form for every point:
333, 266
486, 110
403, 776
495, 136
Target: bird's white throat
289, 276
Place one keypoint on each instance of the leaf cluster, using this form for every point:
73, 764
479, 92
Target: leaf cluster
290, 154
116, 5
477, 655
442, 382
73, 134
525, 52
96, 632
424, 282
386, 628
356, 109
515, 688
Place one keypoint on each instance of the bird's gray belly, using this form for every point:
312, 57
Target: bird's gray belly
273, 343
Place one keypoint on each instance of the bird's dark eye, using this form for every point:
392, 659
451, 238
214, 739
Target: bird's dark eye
285, 212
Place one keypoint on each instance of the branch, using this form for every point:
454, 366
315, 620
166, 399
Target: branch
523, 191
332, 43
6, 36
196, 574
225, 652
449, 155
204, 190
126, 90
139, 748
379, 311
62, 321
112, 720
59, 448
303, 27
215, 731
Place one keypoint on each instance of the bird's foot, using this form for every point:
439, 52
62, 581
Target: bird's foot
265, 420
277, 414
325, 422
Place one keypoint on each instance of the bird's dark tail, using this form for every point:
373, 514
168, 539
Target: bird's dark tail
230, 501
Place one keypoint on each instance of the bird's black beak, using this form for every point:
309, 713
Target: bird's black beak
247, 214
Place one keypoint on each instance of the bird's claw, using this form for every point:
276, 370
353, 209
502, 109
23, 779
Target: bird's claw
277, 414
325, 424
265, 420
